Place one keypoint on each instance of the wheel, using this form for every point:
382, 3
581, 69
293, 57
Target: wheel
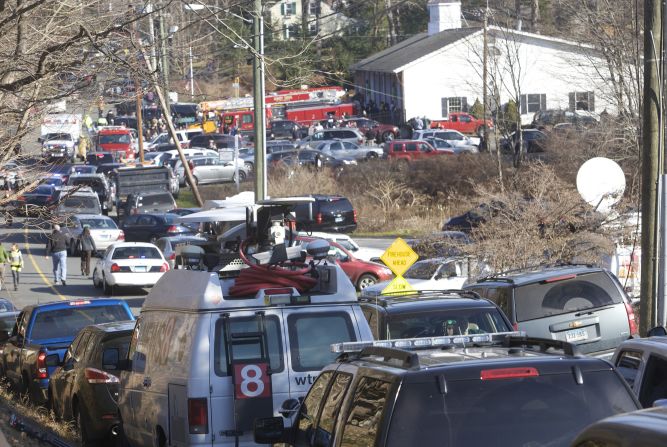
96, 283
80, 418
371, 156
366, 280
153, 239
387, 136
248, 166
241, 176
24, 385
108, 289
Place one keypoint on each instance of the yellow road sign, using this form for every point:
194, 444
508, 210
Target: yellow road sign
399, 257
398, 285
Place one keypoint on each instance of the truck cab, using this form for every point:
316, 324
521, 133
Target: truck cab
116, 139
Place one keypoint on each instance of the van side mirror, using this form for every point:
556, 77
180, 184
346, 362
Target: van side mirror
110, 359
269, 430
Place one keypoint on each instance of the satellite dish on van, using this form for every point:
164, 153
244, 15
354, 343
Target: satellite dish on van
601, 183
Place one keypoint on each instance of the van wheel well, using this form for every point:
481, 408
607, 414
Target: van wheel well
160, 437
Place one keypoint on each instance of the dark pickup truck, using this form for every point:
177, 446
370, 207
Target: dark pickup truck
134, 180
42, 335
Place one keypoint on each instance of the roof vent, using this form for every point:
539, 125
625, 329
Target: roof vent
444, 15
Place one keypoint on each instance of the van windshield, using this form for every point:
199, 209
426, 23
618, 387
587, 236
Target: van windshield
548, 410
587, 291
66, 323
119, 138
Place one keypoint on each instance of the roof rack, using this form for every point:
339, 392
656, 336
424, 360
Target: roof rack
408, 359
544, 344
421, 294
501, 276
425, 342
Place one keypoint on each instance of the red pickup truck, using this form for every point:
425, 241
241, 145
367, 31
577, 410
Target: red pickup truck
463, 122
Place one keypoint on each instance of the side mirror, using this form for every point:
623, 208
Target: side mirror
110, 359
658, 331
53, 360
289, 407
269, 430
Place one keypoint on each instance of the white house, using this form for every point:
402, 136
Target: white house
286, 17
440, 71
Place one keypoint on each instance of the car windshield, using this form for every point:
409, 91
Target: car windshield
80, 202
99, 224
120, 138
547, 410
422, 270
136, 253
85, 169
59, 136
574, 294
435, 323
156, 199
66, 323
43, 190
348, 245
55, 181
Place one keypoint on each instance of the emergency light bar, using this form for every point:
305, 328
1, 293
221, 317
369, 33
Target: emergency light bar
424, 342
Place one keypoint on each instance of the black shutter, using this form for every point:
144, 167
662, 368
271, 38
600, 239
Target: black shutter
464, 104
543, 101
523, 106
573, 102
444, 104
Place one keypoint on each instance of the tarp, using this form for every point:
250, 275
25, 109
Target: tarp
241, 199
231, 214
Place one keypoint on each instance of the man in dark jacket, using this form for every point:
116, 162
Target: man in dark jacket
56, 247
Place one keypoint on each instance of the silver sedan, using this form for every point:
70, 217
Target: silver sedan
344, 149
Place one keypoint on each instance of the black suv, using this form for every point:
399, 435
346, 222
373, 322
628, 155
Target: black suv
326, 213
286, 129
479, 390
579, 304
432, 314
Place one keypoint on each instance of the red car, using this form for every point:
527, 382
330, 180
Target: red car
463, 122
409, 150
361, 273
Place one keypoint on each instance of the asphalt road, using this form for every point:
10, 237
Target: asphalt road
37, 278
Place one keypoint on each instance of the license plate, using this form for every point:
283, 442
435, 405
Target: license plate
140, 268
576, 335
104, 236
339, 219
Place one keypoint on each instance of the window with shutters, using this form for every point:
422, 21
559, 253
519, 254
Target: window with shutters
533, 102
454, 104
314, 7
582, 101
288, 8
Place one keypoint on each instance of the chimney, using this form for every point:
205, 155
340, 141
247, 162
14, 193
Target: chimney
444, 14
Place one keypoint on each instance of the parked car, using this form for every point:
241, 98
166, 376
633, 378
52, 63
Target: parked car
98, 158
107, 168
344, 149
308, 158
38, 200
362, 273
646, 428
83, 169
207, 170
326, 213
204, 141
435, 274
534, 141
433, 314
177, 165
410, 150
148, 202
453, 137
445, 146
151, 227
85, 386
471, 219
285, 129
578, 304
643, 364
103, 230
99, 184
129, 264
184, 137
504, 391
8, 320
349, 244
350, 135
184, 211
374, 130
80, 201
171, 247
43, 333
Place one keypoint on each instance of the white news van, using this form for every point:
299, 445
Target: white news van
203, 364
59, 134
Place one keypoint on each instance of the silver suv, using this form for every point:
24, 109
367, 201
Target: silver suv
578, 304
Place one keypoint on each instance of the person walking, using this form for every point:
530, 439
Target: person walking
16, 264
87, 246
56, 247
4, 259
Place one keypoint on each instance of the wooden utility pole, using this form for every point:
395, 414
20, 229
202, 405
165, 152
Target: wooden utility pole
650, 162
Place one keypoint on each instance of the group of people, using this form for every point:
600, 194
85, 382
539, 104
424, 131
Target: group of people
56, 247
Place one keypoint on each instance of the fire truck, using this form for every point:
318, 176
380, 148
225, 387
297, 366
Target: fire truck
303, 106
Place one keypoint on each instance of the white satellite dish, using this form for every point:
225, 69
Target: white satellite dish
601, 183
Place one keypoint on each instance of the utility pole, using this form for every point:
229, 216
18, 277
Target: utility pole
260, 107
485, 71
650, 162
164, 55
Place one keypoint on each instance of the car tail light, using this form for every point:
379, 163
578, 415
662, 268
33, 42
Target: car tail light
172, 256
42, 372
96, 376
172, 229
198, 416
508, 373
360, 140
115, 268
631, 319
121, 236
318, 218
165, 267
354, 215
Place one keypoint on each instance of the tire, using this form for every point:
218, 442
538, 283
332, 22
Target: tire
371, 156
108, 289
387, 136
241, 177
366, 280
24, 385
96, 283
79, 417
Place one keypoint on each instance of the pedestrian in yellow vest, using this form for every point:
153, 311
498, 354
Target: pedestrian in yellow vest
16, 263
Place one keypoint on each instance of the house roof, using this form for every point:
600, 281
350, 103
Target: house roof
393, 58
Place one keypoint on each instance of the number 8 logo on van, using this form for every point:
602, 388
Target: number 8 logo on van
251, 380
